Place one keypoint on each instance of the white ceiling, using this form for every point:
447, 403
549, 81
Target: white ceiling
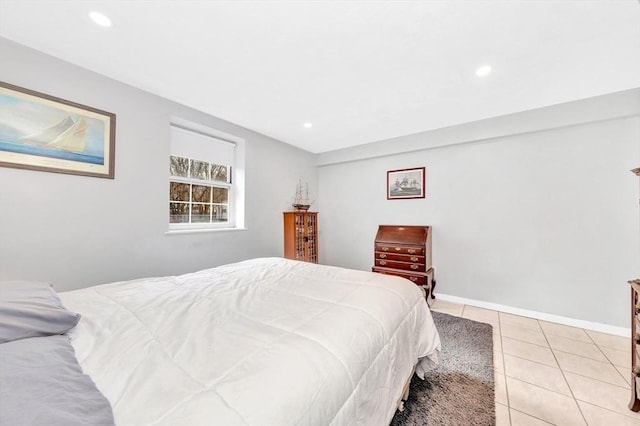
360, 71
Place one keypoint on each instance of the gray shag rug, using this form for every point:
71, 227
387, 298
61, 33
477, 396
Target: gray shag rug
460, 390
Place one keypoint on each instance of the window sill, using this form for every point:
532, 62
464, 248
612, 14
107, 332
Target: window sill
200, 231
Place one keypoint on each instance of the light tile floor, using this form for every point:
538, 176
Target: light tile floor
552, 374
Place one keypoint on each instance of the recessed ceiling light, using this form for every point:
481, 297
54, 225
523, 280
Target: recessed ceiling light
308, 125
483, 70
100, 19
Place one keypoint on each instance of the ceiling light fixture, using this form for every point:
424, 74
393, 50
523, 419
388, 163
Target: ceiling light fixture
100, 19
483, 70
307, 125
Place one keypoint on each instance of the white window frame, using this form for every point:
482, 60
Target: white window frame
236, 208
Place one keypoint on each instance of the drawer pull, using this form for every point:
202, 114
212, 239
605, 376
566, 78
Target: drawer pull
411, 251
414, 266
414, 279
398, 248
382, 255
385, 248
383, 262
414, 258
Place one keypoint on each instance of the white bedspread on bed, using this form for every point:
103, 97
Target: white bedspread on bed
261, 342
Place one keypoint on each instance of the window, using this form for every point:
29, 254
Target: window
203, 189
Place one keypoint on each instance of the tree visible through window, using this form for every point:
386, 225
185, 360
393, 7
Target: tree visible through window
198, 191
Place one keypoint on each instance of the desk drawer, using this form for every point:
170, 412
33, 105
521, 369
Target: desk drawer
400, 249
409, 258
418, 279
406, 266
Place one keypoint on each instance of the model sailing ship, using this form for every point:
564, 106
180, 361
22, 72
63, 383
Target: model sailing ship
301, 200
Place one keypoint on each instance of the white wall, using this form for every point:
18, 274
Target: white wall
79, 231
545, 221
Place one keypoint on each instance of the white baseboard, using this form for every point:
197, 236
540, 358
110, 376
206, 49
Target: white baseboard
595, 326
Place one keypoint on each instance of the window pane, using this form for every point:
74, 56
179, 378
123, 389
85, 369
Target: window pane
201, 194
220, 213
200, 213
179, 166
178, 212
178, 191
199, 169
219, 173
221, 195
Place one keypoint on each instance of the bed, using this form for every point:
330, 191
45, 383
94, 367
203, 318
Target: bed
265, 341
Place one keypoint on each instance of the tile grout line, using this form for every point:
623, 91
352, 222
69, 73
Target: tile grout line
575, 400
607, 358
537, 418
530, 360
504, 369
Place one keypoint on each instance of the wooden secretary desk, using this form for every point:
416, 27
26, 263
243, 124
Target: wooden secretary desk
405, 251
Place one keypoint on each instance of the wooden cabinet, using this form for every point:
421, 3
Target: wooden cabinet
635, 342
635, 338
301, 236
405, 251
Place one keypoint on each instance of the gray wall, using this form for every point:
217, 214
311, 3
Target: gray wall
79, 231
543, 220
537, 210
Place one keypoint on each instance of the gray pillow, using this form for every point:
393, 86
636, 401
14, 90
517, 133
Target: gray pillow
41, 383
32, 309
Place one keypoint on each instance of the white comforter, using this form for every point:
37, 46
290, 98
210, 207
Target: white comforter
261, 342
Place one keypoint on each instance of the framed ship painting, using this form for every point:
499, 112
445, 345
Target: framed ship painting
42, 132
405, 183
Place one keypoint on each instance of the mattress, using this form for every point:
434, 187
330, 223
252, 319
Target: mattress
266, 341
